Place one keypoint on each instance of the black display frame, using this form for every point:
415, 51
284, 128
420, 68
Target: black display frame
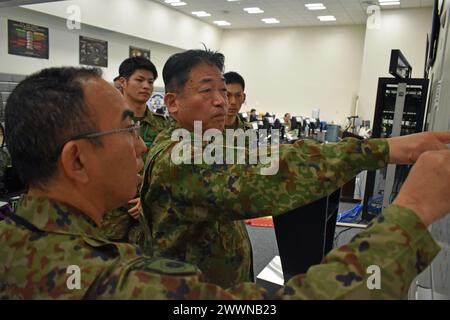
434, 35
395, 66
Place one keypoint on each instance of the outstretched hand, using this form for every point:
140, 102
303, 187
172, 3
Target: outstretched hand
407, 149
427, 188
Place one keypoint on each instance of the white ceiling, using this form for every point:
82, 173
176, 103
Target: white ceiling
14, 3
290, 13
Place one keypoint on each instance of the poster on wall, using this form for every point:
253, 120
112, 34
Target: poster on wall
27, 40
93, 52
139, 52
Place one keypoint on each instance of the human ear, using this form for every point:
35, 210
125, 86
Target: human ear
123, 81
170, 100
73, 162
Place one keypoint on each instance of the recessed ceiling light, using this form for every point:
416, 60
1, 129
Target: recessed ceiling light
171, 1
270, 20
201, 13
177, 4
315, 6
326, 18
253, 10
389, 2
222, 23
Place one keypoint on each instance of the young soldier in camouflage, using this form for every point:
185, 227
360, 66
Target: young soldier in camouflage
196, 212
236, 97
136, 78
82, 159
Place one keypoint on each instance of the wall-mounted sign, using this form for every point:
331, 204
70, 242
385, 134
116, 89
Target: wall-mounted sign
93, 52
139, 52
27, 40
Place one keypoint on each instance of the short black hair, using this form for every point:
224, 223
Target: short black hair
233, 78
253, 110
178, 66
116, 78
130, 65
42, 113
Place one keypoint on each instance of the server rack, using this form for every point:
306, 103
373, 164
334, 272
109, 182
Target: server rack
400, 110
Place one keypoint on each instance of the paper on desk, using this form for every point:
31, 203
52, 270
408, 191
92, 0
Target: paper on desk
273, 272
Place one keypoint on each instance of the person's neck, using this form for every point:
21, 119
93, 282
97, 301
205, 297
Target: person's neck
73, 198
230, 120
138, 108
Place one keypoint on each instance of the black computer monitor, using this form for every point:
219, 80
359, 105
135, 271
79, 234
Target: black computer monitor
243, 116
268, 122
296, 122
277, 123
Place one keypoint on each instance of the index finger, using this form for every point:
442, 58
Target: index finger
442, 136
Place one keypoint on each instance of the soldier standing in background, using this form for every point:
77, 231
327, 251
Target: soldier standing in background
136, 78
236, 97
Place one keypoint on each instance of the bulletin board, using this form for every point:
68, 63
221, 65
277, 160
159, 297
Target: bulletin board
28, 40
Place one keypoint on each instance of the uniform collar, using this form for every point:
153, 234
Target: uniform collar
143, 118
235, 124
56, 217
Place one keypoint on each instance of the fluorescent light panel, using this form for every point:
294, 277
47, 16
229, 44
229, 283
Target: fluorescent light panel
389, 2
253, 10
315, 6
270, 20
326, 18
222, 23
201, 13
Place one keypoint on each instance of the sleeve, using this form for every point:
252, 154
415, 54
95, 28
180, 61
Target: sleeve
116, 223
306, 171
161, 279
379, 263
398, 245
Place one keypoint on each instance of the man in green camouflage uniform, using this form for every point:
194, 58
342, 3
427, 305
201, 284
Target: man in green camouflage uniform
196, 211
52, 247
136, 77
236, 97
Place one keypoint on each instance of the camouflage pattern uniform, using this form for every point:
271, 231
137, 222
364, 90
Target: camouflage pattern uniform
35, 256
239, 124
196, 212
151, 125
118, 225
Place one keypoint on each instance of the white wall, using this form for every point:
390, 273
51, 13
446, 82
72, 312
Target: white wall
286, 69
140, 18
64, 45
401, 29
297, 69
